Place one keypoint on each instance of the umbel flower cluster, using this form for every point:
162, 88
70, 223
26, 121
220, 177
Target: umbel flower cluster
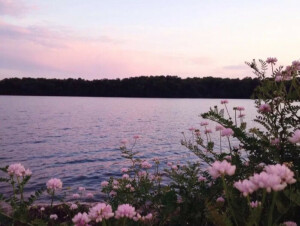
240, 176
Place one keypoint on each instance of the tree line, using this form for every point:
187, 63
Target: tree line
143, 86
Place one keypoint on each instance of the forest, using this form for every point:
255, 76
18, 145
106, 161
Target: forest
143, 86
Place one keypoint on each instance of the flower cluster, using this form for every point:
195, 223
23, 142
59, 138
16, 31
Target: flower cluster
139, 217
145, 165
264, 108
18, 170
274, 177
81, 219
125, 210
227, 132
296, 137
54, 184
101, 211
255, 204
221, 168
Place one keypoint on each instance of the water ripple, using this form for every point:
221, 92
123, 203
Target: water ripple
78, 139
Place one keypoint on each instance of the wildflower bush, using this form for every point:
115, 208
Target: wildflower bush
247, 176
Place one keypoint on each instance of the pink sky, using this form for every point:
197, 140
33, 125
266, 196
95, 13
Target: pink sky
117, 39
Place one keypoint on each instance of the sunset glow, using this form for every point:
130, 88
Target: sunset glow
125, 38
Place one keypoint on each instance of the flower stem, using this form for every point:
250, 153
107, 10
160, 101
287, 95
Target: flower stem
228, 199
235, 117
262, 204
227, 111
220, 143
229, 145
52, 198
124, 221
270, 216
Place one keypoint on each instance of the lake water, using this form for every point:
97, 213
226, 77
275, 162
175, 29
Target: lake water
77, 139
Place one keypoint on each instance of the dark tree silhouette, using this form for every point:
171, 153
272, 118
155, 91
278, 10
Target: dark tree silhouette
152, 86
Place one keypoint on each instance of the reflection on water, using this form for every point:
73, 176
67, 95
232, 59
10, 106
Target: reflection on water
77, 139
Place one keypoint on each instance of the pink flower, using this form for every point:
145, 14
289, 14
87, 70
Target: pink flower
204, 123
104, 183
42, 209
267, 181
207, 131
75, 196
73, 206
53, 217
81, 219
115, 182
255, 204
246, 187
271, 60
296, 137
282, 171
146, 165
174, 167
124, 170
125, 176
264, 108
227, 132
220, 199
287, 78
274, 141
124, 141
101, 211
240, 108
54, 184
219, 127
224, 101
16, 169
192, 129
221, 168
149, 216
136, 137
241, 115
137, 217
89, 195
289, 223
201, 178
169, 164
246, 163
278, 78
261, 165
288, 70
81, 188
142, 174
125, 210
156, 160
28, 172
296, 65
228, 157
113, 193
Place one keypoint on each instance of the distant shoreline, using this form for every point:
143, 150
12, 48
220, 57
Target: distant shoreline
137, 87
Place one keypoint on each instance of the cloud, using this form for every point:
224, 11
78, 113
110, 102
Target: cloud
60, 52
14, 8
37, 34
